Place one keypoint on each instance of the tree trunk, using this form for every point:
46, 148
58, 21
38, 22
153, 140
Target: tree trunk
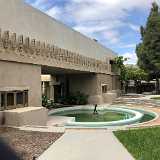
123, 87
126, 87
138, 86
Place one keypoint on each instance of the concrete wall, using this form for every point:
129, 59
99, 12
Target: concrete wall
16, 16
36, 116
22, 75
115, 82
86, 83
104, 79
21, 18
91, 84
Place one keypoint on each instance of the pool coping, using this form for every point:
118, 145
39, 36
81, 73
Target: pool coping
119, 123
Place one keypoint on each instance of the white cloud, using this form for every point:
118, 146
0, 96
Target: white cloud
38, 3
101, 19
87, 10
132, 45
134, 27
90, 29
132, 57
54, 12
112, 36
106, 17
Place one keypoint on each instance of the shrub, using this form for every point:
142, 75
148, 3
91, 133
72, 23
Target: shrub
47, 103
77, 98
44, 101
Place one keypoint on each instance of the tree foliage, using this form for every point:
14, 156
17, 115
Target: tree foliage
135, 73
148, 51
129, 73
119, 64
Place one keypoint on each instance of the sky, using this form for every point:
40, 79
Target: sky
114, 23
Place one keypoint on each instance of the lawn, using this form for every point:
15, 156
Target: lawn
156, 98
143, 144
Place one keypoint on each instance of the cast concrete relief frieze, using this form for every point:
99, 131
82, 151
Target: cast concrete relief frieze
35, 51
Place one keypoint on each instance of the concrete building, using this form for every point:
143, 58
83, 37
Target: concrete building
33, 44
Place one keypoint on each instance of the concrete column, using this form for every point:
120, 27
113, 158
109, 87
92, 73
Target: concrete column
51, 87
26, 96
23, 98
5, 100
51, 90
15, 98
43, 87
0, 99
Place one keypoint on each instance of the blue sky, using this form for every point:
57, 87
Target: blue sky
114, 23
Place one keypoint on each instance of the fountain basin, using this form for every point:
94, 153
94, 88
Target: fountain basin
132, 118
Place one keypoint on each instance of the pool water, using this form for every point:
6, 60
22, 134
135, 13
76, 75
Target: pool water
106, 117
146, 117
99, 117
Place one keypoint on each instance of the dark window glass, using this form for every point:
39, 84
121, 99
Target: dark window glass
10, 99
19, 97
2, 100
104, 88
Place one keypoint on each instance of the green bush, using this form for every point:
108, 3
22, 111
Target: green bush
77, 98
47, 103
44, 101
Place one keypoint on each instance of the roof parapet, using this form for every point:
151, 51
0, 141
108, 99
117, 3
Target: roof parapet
24, 46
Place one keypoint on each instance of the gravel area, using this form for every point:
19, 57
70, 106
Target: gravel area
28, 144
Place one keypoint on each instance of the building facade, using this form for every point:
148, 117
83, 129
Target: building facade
39, 55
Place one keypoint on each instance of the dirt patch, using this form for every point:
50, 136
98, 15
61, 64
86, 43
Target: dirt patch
28, 144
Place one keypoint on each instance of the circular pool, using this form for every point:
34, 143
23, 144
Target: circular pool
83, 116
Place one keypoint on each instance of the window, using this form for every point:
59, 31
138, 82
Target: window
2, 99
10, 99
104, 88
13, 99
20, 98
112, 66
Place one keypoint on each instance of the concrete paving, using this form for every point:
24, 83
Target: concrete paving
59, 120
87, 145
43, 129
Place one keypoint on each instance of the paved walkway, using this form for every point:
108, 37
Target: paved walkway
142, 103
86, 145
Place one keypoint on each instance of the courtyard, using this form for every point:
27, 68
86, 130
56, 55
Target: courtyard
65, 95
139, 139
57, 141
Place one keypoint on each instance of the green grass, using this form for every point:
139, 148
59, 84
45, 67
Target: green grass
143, 144
156, 98
106, 117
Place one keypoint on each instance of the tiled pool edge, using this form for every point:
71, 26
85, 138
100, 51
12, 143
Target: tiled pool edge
126, 122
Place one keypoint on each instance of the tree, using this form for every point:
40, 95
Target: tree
148, 51
136, 74
129, 73
119, 64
